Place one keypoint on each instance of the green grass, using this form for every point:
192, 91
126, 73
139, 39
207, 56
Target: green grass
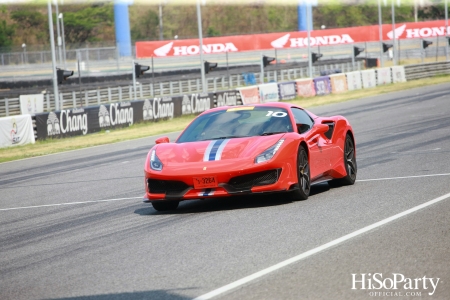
165, 126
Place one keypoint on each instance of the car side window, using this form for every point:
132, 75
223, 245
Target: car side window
302, 118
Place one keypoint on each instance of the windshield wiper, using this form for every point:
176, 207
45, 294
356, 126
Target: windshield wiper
270, 133
229, 137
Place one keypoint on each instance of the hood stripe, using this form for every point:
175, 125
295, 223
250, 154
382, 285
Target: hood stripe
214, 150
220, 150
206, 192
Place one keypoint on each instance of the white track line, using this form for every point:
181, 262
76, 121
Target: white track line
404, 177
306, 254
68, 203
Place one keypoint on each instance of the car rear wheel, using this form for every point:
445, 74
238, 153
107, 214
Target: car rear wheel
350, 164
165, 205
303, 175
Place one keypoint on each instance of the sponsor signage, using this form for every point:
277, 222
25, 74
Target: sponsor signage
305, 88
322, 85
81, 121
338, 83
268, 92
287, 90
369, 79
227, 98
196, 103
398, 74
354, 80
293, 39
31, 104
249, 95
17, 130
383, 76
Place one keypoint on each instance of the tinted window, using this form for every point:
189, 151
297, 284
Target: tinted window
301, 117
237, 122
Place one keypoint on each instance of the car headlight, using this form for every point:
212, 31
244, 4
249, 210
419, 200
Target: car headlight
269, 153
155, 163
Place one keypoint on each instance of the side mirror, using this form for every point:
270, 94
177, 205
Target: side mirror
161, 140
321, 128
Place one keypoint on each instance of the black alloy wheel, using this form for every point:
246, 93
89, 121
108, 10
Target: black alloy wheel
303, 175
165, 205
350, 164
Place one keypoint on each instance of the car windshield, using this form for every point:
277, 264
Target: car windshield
238, 122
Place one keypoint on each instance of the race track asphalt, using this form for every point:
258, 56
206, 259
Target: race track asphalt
73, 225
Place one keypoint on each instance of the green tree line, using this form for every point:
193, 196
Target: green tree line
94, 23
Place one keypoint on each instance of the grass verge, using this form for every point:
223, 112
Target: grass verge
164, 126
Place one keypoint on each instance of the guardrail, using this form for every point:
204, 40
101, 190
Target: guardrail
426, 70
95, 96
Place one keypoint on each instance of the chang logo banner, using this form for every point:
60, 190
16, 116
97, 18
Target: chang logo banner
158, 108
196, 103
227, 98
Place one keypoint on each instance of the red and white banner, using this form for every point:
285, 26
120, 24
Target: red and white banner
295, 39
249, 95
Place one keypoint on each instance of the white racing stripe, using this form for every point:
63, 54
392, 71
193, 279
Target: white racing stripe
404, 177
68, 203
321, 248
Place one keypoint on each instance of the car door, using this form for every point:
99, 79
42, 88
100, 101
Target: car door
318, 144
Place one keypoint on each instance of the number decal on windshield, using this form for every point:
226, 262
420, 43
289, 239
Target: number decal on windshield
278, 114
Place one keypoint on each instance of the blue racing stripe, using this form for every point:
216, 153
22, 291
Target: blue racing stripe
207, 191
212, 154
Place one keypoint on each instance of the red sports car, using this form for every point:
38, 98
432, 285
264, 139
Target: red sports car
271, 147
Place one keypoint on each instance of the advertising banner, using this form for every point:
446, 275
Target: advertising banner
31, 104
159, 108
369, 79
354, 80
322, 85
17, 130
227, 98
398, 74
305, 87
249, 95
197, 103
383, 76
287, 90
338, 83
294, 39
268, 92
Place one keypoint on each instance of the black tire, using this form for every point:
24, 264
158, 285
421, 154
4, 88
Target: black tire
350, 164
303, 176
165, 205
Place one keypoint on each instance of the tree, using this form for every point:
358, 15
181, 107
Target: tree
146, 27
87, 24
6, 31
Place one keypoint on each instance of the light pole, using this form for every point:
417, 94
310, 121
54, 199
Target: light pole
24, 47
200, 38
60, 16
58, 31
52, 45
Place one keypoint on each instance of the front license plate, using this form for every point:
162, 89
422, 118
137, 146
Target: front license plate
205, 182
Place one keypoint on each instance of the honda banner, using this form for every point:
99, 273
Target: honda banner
293, 39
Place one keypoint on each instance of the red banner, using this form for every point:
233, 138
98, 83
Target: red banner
295, 39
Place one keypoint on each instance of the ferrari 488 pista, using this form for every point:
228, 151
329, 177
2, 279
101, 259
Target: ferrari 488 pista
262, 148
